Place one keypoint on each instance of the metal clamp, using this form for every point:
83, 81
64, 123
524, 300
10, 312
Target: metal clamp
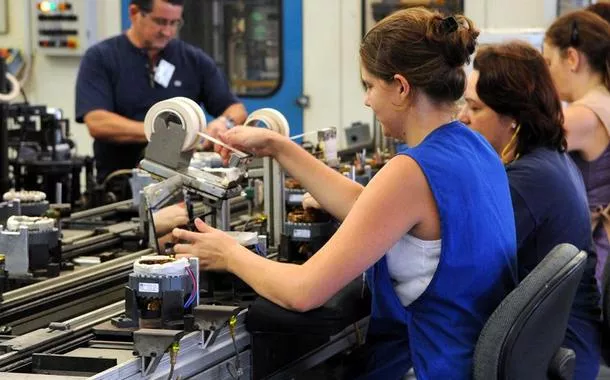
213, 318
151, 344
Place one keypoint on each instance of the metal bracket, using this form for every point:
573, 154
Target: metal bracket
211, 319
151, 344
165, 159
207, 184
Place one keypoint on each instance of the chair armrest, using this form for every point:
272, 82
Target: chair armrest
562, 365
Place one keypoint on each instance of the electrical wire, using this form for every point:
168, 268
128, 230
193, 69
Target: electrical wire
151, 208
171, 371
193, 295
114, 174
25, 98
152, 224
234, 369
15, 89
191, 298
173, 357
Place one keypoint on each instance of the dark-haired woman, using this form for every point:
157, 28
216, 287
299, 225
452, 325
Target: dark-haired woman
601, 9
434, 226
577, 50
511, 100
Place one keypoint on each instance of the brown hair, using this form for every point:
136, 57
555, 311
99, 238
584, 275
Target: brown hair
423, 46
601, 9
147, 5
586, 32
514, 80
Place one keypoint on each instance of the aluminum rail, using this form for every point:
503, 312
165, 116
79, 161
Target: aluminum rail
57, 284
18, 351
62, 297
98, 211
111, 236
193, 361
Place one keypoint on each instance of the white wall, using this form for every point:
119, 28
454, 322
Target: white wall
52, 79
511, 13
331, 37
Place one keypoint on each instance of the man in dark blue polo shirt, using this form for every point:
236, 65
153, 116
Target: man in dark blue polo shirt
120, 78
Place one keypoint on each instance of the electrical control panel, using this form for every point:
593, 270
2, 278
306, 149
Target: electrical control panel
63, 28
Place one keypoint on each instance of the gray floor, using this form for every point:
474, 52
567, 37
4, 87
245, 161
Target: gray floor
604, 373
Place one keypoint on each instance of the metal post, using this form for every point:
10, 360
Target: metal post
273, 182
268, 200
279, 205
225, 216
4, 180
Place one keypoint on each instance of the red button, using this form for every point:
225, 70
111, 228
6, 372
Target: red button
64, 6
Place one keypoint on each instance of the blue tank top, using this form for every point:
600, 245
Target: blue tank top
437, 333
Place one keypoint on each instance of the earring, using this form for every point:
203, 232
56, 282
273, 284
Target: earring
513, 125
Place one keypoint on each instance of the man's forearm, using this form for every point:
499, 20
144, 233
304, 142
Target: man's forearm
109, 126
236, 112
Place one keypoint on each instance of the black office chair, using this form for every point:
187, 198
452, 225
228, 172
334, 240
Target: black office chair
605, 290
522, 338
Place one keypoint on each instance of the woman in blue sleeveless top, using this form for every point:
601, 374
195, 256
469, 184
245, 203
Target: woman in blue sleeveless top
434, 226
512, 101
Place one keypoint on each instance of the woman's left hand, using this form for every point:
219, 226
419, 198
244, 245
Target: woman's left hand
213, 247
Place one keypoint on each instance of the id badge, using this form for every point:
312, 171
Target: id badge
164, 72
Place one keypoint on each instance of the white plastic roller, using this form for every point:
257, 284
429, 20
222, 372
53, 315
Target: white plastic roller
186, 110
15, 89
24, 196
269, 118
30, 222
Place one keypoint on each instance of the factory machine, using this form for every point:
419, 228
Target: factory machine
41, 153
171, 319
55, 266
307, 230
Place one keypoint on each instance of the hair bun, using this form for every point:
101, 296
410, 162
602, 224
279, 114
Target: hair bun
455, 37
426, 48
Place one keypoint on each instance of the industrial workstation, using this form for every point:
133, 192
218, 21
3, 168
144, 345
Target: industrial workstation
304, 189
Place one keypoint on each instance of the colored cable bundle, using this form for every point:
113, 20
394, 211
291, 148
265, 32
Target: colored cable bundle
193, 295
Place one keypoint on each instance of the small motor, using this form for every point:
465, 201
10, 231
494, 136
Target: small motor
29, 203
161, 293
31, 246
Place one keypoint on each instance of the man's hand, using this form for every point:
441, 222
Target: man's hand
170, 217
215, 128
310, 202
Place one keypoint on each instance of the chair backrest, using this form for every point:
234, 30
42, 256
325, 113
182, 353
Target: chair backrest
605, 290
525, 332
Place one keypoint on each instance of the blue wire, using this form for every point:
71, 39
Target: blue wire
189, 302
192, 297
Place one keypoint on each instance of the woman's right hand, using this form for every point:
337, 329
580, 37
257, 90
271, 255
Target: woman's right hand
259, 141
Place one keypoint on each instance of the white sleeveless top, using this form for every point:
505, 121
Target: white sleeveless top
412, 263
